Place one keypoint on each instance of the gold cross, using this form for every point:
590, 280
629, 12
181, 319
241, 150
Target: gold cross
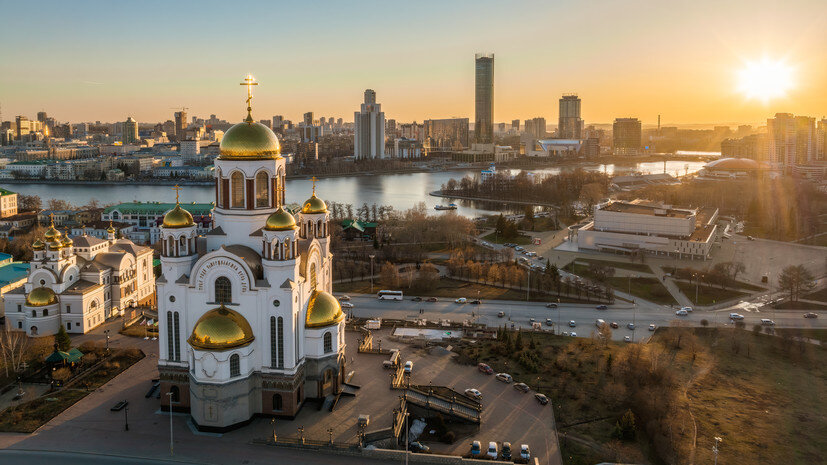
279, 190
51, 219
248, 81
314, 184
177, 190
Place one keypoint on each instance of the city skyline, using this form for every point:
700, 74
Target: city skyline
642, 67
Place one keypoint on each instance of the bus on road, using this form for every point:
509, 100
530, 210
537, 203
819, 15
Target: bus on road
389, 295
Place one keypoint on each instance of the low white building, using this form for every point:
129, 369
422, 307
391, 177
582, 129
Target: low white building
652, 228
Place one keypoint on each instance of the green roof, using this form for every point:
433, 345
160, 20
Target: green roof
6, 192
358, 225
158, 208
58, 356
31, 162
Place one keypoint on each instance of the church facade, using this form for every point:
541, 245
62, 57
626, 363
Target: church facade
248, 326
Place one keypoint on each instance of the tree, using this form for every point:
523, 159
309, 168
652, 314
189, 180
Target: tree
795, 279
625, 427
389, 276
13, 346
29, 202
62, 339
58, 204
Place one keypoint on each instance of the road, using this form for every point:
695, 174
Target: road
255, 455
519, 314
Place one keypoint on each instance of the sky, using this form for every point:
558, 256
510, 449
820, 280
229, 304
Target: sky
90, 61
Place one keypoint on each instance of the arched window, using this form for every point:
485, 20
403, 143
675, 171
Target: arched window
262, 198
176, 337
319, 231
237, 189
235, 366
280, 330
45, 312
328, 343
176, 394
274, 360
223, 290
170, 246
34, 313
287, 249
34, 330
313, 280
170, 337
277, 402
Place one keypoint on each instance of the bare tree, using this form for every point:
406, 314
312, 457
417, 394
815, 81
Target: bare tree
13, 345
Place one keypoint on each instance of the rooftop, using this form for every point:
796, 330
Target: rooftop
641, 207
13, 272
158, 208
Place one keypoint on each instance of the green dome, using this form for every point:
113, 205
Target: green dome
249, 140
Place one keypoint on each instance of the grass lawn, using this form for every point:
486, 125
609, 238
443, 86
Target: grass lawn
707, 295
820, 295
639, 267
452, 288
799, 306
819, 334
26, 418
740, 284
646, 288
762, 394
519, 240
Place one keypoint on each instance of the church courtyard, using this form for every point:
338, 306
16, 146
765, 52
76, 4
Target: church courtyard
89, 426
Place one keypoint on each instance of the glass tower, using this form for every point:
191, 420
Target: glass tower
484, 90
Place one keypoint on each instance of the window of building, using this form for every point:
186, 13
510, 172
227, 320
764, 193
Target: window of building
68, 325
273, 343
34, 313
19, 308
235, 365
223, 290
177, 338
262, 190
69, 307
313, 281
176, 394
299, 396
328, 343
277, 402
19, 325
280, 348
237, 189
34, 330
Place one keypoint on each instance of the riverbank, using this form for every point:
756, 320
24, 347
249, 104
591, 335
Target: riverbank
483, 199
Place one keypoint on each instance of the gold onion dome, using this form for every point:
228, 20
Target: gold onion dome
38, 245
221, 329
249, 140
178, 218
55, 244
280, 220
66, 240
314, 205
110, 229
41, 297
323, 310
52, 233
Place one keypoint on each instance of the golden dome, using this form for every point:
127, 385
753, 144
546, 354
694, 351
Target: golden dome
280, 220
41, 297
66, 241
110, 229
55, 244
178, 218
323, 310
221, 329
314, 205
52, 233
249, 140
38, 245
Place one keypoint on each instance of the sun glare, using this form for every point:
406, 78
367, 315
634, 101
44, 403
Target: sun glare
765, 79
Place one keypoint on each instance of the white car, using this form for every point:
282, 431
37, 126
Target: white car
347, 305
492, 450
473, 393
344, 298
681, 312
461, 300
572, 324
687, 309
525, 453
736, 316
408, 367
504, 377
573, 334
652, 327
627, 339
767, 322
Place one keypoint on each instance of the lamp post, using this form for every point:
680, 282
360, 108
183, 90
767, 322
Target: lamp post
171, 452
715, 448
273, 423
557, 329
527, 283
106, 332
126, 418
372, 256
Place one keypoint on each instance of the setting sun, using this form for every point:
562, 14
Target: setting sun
765, 79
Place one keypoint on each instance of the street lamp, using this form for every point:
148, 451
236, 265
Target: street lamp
372, 256
715, 448
170, 422
106, 332
126, 418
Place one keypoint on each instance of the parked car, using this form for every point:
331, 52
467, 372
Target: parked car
344, 298
461, 300
432, 299
614, 325
476, 302
417, 299
483, 367
627, 339
750, 238
736, 316
630, 326
500, 314
549, 322
522, 387
525, 453
811, 315
573, 334
504, 377
506, 451
541, 398
551, 305
492, 450
531, 321
652, 327
419, 448
572, 324
602, 307
518, 248
688, 309
767, 322
408, 367
346, 305
476, 448
473, 393
681, 312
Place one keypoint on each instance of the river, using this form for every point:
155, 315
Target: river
402, 191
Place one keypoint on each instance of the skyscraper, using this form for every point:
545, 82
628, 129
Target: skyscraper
130, 131
515, 125
791, 140
447, 134
626, 135
569, 124
369, 128
536, 127
181, 124
484, 98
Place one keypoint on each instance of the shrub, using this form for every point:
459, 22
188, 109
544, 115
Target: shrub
449, 437
704, 322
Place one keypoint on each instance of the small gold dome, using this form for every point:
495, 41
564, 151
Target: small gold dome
67, 242
110, 229
55, 244
221, 329
178, 218
314, 205
41, 297
323, 310
280, 220
52, 233
38, 245
249, 140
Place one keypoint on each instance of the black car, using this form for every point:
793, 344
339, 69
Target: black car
476, 302
417, 299
506, 451
602, 307
551, 305
542, 399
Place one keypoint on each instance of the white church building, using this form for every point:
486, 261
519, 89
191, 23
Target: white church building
248, 326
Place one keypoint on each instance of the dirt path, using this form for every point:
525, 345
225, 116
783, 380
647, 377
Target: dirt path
698, 376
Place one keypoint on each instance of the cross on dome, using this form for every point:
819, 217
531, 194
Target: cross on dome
249, 82
177, 190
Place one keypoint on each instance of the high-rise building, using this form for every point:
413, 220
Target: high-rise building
821, 141
626, 136
42, 116
536, 127
369, 128
515, 125
130, 131
390, 128
447, 134
569, 125
308, 118
791, 141
180, 124
484, 98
